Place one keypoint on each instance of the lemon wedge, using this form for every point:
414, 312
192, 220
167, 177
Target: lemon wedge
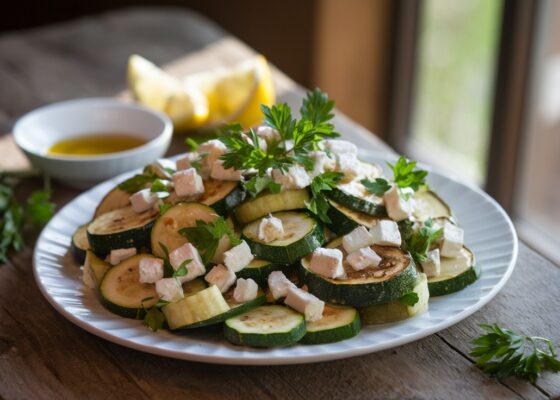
235, 94
186, 106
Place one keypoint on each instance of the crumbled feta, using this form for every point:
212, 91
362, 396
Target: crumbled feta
195, 268
397, 207
327, 263
338, 146
187, 161
220, 276
295, 178
357, 239
268, 134
386, 233
169, 289
432, 266
143, 200
363, 258
279, 284
223, 174
188, 183
305, 303
87, 277
238, 257
245, 290
270, 229
213, 148
151, 270
452, 240
321, 162
118, 255
349, 165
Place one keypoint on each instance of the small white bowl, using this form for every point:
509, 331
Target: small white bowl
38, 130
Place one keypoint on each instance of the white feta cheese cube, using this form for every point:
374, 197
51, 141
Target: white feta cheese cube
339, 146
164, 168
188, 183
305, 303
397, 207
143, 200
192, 159
220, 276
238, 257
357, 239
270, 229
452, 240
87, 277
321, 162
151, 270
223, 174
195, 267
432, 266
118, 255
213, 148
386, 233
268, 134
363, 258
349, 165
169, 289
295, 178
245, 290
279, 284
327, 263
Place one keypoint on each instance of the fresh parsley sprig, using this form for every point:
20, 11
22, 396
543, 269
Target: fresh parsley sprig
161, 188
153, 316
136, 183
418, 242
15, 217
206, 236
318, 204
502, 352
409, 299
377, 187
406, 176
257, 184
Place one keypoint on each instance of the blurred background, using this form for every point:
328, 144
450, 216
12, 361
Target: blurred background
472, 87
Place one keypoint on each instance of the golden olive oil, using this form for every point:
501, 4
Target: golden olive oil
96, 143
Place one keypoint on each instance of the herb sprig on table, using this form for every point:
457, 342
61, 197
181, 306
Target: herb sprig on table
297, 139
15, 217
502, 352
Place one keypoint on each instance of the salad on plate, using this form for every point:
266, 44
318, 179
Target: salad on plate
278, 235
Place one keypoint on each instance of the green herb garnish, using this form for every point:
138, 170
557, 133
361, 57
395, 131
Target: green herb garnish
160, 187
182, 270
377, 187
257, 184
405, 176
409, 299
205, 236
419, 242
154, 318
318, 204
193, 145
136, 183
502, 352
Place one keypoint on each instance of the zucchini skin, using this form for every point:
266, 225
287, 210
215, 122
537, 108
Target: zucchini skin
234, 198
78, 253
334, 335
356, 203
260, 274
292, 253
455, 284
137, 237
360, 294
340, 223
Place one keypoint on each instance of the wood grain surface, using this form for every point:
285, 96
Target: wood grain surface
44, 356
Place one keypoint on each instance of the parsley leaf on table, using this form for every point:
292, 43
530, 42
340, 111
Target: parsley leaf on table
418, 243
205, 236
502, 352
318, 204
377, 187
405, 175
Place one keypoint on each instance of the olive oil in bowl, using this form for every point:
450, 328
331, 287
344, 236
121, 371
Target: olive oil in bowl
95, 144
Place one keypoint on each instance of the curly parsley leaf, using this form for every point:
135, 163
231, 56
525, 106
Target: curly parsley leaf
377, 187
419, 241
318, 204
136, 183
206, 236
409, 299
502, 352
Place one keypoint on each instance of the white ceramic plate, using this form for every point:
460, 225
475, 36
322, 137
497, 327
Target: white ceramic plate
488, 232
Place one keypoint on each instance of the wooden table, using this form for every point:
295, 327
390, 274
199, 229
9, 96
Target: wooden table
42, 355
